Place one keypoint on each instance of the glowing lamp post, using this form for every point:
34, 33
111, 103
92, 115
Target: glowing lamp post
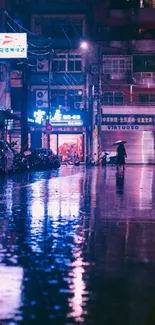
38, 116
84, 45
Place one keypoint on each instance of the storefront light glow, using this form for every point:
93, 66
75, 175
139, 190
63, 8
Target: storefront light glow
38, 116
69, 117
59, 118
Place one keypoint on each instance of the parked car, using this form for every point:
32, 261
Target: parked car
6, 157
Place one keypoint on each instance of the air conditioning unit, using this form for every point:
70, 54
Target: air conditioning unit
41, 99
94, 68
42, 65
78, 105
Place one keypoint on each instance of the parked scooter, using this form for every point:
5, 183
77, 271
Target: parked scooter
77, 162
104, 158
113, 160
20, 163
90, 162
107, 159
53, 162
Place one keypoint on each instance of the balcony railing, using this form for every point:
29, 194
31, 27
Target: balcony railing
130, 108
138, 15
126, 104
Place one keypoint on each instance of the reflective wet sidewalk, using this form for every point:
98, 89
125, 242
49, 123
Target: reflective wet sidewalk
77, 246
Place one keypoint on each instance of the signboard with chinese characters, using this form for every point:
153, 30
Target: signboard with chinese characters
129, 120
66, 119
13, 45
58, 119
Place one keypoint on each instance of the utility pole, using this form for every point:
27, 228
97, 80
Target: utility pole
49, 97
6, 78
2, 20
24, 111
96, 112
99, 108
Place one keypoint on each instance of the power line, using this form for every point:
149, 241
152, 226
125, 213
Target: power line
38, 54
38, 47
34, 53
69, 40
66, 77
20, 26
104, 81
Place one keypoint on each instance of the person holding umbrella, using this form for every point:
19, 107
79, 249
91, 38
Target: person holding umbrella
121, 154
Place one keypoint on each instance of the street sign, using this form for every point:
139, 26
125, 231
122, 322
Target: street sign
13, 45
127, 119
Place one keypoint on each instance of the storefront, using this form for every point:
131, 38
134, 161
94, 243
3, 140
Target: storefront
68, 136
66, 142
137, 130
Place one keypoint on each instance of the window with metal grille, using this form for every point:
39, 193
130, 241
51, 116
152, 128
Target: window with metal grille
116, 65
74, 63
111, 98
67, 63
59, 29
58, 97
59, 65
64, 97
147, 99
74, 96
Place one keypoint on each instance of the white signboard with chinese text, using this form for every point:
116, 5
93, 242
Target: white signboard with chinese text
128, 128
13, 45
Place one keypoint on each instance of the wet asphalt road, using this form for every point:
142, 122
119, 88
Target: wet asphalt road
78, 247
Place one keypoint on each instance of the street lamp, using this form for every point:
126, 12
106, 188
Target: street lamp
84, 45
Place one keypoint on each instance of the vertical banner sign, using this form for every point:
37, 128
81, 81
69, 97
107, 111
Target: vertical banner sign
13, 45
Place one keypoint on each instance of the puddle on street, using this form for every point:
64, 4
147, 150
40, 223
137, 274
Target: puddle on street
77, 247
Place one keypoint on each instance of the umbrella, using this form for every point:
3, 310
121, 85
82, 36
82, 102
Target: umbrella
118, 142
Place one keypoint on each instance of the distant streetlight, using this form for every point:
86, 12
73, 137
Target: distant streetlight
84, 45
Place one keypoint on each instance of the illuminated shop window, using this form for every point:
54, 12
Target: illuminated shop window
69, 145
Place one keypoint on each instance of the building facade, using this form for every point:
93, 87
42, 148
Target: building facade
68, 87
127, 43
57, 79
